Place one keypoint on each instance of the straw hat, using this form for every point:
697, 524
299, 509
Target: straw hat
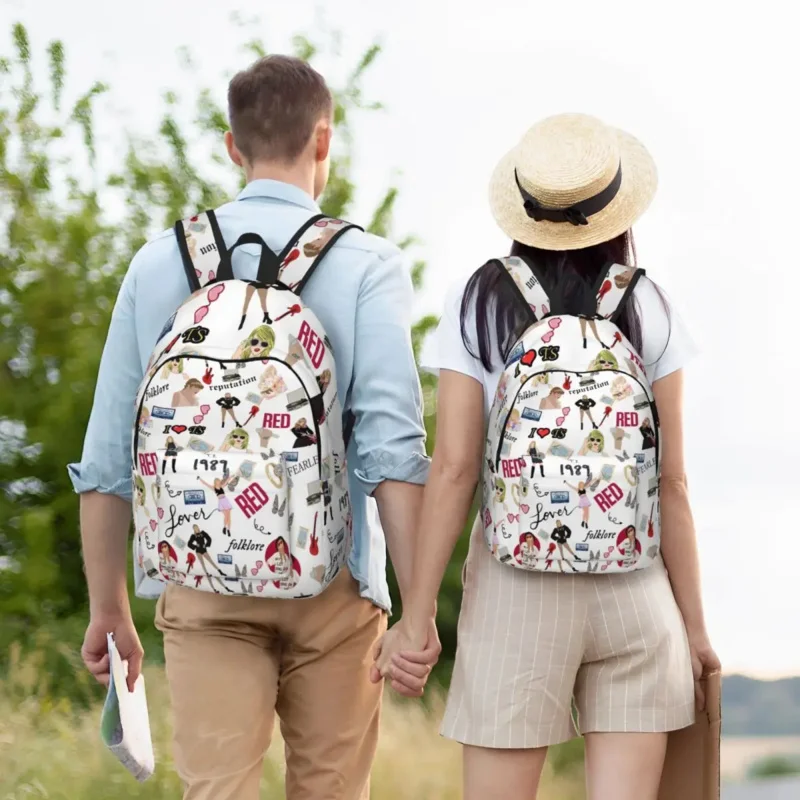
572, 182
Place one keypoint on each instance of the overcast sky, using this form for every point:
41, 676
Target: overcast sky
711, 91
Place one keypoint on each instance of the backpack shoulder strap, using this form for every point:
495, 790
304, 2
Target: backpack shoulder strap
529, 285
201, 246
613, 288
307, 248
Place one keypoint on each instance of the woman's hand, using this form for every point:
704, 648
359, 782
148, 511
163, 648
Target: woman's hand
704, 662
406, 658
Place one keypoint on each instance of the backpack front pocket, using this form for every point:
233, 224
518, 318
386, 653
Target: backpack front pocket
578, 513
221, 520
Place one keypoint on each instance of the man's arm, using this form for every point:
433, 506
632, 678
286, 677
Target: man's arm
386, 400
103, 479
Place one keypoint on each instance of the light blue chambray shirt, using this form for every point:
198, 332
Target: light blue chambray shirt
362, 294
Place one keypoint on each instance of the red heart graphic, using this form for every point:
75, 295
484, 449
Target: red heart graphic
179, 428
254, 570
528, 358
153, 524
543, 432
161, 513
525, 508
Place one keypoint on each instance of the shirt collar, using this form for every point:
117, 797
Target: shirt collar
277, 190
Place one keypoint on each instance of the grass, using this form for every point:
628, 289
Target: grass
51, 749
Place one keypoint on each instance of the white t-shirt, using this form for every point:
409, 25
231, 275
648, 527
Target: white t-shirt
667, 345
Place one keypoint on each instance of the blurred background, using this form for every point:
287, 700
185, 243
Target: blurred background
111, 122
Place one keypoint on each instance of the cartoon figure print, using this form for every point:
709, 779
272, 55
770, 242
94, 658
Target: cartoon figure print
304, 436
553, 400
314, 248
594, 444
174, 367
605, 359
223, 504
271, 384
141, 493
648, 434
561, 533
620, 388
171, 453
167, 560
238, 439
324, 380
586, 404
593, 326
281, 563
258, 344
187, 397
198, 543
252, 289
527, 551
584, 503
501, 393
628, 545
227, 403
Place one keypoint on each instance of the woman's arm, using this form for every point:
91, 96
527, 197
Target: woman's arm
678, 538
454, 474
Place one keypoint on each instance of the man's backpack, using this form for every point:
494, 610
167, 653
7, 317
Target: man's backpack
572, 463
239, 465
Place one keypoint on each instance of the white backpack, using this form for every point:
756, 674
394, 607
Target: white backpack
239, 466
572, 465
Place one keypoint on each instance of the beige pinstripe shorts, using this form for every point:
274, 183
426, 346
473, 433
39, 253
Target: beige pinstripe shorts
529, 643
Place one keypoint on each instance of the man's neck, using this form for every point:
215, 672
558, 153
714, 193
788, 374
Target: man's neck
295, 174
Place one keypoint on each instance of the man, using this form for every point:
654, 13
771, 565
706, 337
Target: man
232, 661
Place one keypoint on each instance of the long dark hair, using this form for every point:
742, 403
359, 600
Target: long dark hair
569, 278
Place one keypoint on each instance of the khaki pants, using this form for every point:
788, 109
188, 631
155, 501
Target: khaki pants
232, 662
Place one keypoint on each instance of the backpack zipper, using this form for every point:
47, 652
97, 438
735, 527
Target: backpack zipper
223, 362
648, 393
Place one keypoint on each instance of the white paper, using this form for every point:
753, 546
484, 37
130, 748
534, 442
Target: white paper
125, 724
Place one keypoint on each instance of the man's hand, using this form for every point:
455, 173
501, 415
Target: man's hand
95, 647
406, 658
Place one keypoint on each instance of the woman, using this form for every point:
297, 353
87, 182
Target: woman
303, 435
187, 397
238, 439
594, 444
559, 536
625, 646
223, 504
281, 563
584, 503
258, 344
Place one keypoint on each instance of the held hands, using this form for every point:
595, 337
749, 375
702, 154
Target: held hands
406, 657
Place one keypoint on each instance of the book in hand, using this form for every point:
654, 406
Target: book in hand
125, 724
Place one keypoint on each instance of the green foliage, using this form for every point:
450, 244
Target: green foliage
63, 252
774, 767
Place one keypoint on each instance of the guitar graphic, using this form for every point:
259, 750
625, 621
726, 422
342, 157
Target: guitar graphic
313, 548
650, 530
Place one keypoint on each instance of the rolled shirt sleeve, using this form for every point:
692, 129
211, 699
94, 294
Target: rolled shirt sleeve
385, 396
105, 464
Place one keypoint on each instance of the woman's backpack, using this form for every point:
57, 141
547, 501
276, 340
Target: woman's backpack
572, 463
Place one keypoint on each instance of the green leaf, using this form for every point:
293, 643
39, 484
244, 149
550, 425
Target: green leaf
56, 53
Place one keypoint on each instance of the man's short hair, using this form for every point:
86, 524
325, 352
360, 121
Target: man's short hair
273, 107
